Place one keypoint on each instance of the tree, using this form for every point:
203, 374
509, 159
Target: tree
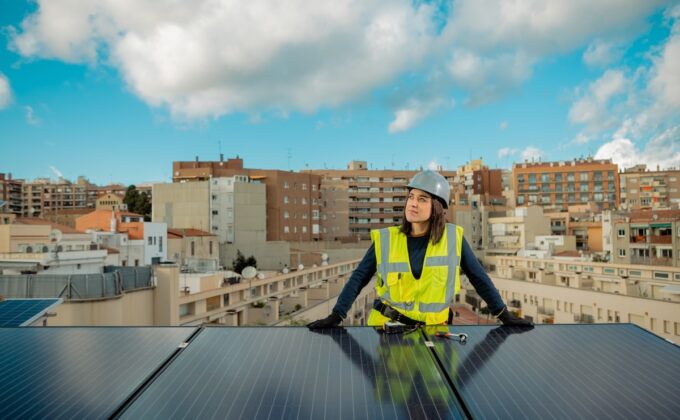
242, 262
138, 202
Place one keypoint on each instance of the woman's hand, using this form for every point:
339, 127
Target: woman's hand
332, 320
507, 318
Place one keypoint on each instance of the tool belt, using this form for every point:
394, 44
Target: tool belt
393, 314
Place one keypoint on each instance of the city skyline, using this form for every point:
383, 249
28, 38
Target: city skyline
93, 89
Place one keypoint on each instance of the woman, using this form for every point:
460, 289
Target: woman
418, 265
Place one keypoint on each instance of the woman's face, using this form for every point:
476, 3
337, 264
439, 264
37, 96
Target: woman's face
418, 206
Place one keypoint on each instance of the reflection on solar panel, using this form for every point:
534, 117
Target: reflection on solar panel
564, 371
78, 372
23, 312
293, 373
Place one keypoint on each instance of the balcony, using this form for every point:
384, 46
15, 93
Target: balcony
665, 261
584, 318
661, 239
542, 310
639, 239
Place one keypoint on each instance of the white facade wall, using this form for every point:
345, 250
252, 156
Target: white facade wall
155, 242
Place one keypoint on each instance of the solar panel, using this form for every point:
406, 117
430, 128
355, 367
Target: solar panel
563, 371
294, 373
78, 372
23, 312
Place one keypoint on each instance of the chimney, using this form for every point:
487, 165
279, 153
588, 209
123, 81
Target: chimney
113, 221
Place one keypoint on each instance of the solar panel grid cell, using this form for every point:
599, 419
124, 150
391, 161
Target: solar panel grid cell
293, 373
565, 371
78, 372
21, 312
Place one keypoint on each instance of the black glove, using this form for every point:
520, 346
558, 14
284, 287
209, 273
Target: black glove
507, 318
332, 320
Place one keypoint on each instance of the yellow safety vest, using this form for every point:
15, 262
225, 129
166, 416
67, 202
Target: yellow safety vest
426, 299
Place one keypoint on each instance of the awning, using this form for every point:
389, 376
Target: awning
662, 225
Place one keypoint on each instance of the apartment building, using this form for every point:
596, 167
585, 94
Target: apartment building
560, 184
293, 203
584, 222
151, 237
517, 230
642, 189
476, 184
368, 199
43, 248
474, 219
193, 249
650, 237
44, 195
10, 193
234, 209
561, 291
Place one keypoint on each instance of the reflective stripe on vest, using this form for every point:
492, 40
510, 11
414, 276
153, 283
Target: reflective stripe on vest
450, 260
384, 267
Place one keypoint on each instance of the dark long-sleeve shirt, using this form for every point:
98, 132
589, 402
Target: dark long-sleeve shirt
416, 252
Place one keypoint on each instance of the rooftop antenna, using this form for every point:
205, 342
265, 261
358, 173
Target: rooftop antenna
392, 161
289, 156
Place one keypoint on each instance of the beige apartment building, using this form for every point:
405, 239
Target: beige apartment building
517, 230
563, 291
358, 199
642, 189
233, 209
650, 237
10, 193
560, 184
44, 195
177, 298
193, 249
293, 203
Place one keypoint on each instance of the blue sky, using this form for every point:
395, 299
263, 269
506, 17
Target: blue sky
118, 90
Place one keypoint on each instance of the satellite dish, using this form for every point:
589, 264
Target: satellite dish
324, 257
301, 267
249, 272
260, 276
55, 235
285, 270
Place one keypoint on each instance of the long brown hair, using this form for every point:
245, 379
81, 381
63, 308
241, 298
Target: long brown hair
437, 221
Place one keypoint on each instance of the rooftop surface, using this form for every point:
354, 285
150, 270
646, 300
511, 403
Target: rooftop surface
552, 371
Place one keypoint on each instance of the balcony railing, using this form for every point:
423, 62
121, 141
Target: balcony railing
546, 311
584, 318
661, 239
638, 239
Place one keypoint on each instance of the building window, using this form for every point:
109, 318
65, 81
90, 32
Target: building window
545, 177
621, 233
136, 263
304, 229
285, 184
304, 187
583, 176
286, 229
160, 244
313, 187
286, 215
285, 199
622, 253
193, 248
210, 247
150, 241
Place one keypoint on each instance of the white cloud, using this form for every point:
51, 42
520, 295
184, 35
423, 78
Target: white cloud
532, 154
507, 151
539, 27
207, 58
488, 78
412, 113
5, 92
503, 125
602, 53
592, 108
30, 115
665, 81
56, 172
663, 151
